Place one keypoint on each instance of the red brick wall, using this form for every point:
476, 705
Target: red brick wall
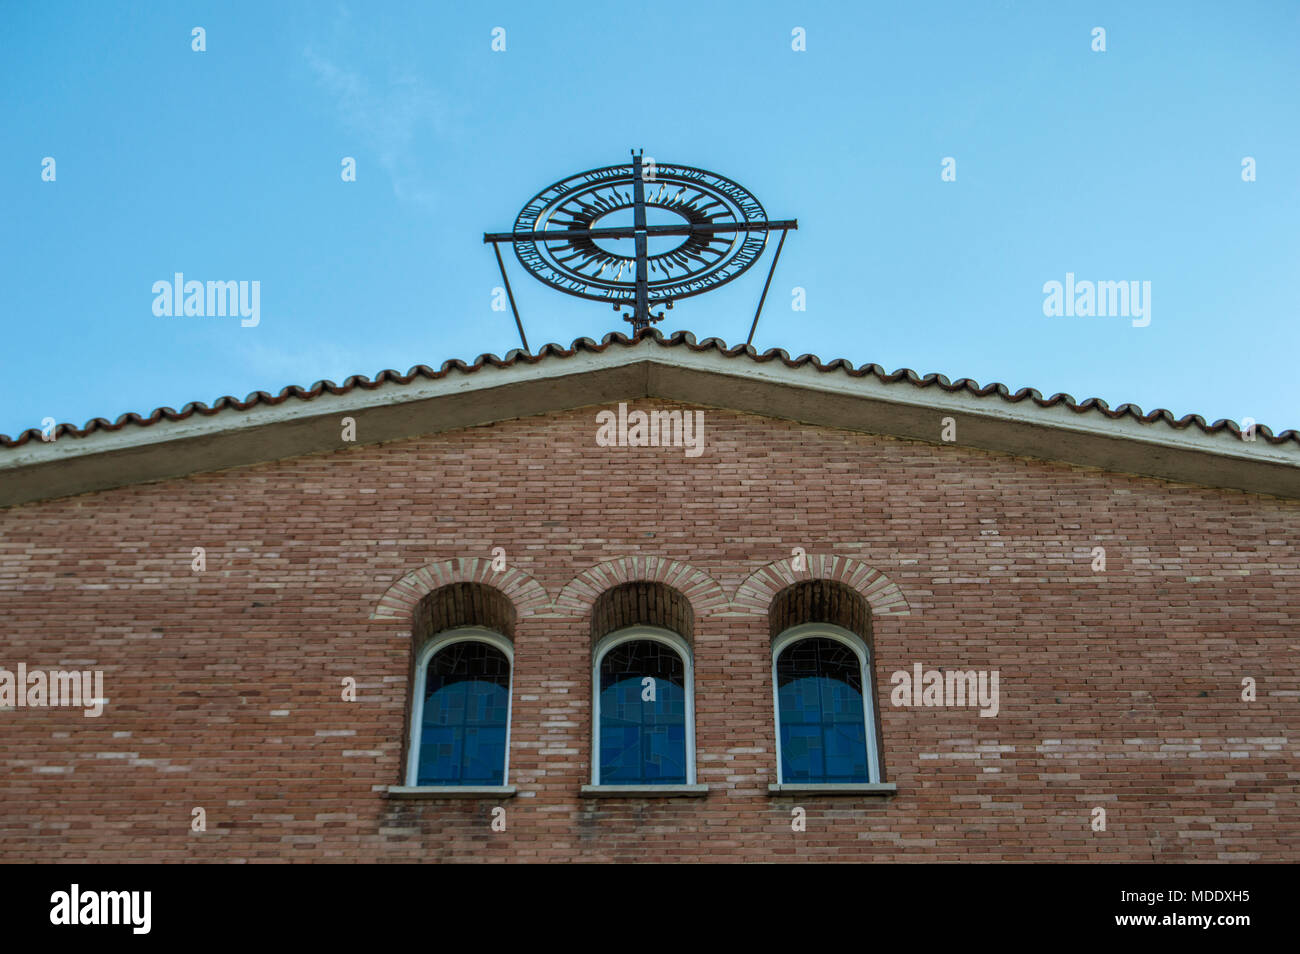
1119, 689
642, 602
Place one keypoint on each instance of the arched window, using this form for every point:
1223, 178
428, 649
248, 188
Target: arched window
821, 677
460, 717
644, 713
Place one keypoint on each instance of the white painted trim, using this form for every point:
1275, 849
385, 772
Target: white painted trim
991, 405
683, 649
296, 427
834, 788
679, 356
451, 791
325, 404
855, 642
464, 634
740, 369
670, 790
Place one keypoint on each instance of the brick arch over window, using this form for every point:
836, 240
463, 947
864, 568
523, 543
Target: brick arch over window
642, 603
400, 600
755, 595
821, 601
457, 605
703, 592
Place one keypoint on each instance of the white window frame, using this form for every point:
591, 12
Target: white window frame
683, 650
466, 634
855, 642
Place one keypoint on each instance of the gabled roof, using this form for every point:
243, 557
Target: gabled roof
391, 406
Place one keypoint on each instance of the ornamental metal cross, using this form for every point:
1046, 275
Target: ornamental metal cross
723, 227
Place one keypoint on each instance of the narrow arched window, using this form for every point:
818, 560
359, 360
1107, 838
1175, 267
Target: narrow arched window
461, 717
822, 683
644, 712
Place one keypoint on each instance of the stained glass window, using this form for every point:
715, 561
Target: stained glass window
642, 715
820, 705
466, 713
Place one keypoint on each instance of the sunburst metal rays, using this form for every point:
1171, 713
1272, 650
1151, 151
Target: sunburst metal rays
582, 255
572, 237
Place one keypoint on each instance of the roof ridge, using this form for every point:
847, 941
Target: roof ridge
677, 339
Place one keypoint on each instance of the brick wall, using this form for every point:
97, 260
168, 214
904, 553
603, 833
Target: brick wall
1120, 689
820, 601
462, 604
642, 602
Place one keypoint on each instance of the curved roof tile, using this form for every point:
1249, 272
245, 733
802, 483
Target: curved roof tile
677, 339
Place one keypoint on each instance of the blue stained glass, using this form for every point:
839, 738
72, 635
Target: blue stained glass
466, 712
823, 727
642, 741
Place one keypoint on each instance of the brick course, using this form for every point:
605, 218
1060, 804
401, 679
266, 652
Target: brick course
1119, 689
820, 601
642, 602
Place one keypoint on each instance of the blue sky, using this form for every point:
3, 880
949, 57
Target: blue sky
225, 165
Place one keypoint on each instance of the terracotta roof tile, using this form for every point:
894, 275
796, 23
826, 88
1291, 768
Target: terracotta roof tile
682, 339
